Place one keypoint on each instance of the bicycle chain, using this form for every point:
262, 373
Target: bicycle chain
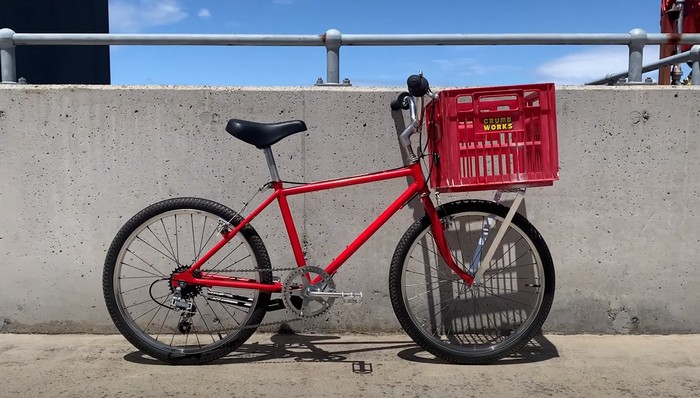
226, 271
259, 325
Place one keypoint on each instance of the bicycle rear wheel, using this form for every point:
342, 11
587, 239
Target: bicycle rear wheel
489, 320
166, 238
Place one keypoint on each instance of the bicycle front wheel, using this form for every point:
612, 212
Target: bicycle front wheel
493, 318
167, 238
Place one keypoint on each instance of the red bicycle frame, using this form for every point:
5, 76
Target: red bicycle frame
417, 187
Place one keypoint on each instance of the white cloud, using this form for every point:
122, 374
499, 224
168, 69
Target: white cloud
204, 13
468, 67
592, 64
136, 15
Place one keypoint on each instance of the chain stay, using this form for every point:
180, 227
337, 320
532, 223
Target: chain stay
259, 325
227, 271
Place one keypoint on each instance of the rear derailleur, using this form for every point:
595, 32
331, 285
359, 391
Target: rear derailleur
187, 306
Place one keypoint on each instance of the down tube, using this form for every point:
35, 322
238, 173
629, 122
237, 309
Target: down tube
401, 201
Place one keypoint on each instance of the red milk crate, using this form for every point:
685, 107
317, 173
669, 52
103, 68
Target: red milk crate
493, 138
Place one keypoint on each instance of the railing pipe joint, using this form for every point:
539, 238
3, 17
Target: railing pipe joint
7, 56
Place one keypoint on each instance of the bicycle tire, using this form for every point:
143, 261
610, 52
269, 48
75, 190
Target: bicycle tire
474, 325
144, 250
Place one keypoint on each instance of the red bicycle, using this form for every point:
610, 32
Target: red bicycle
188, 280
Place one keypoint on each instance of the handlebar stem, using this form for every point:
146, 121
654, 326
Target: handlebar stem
405, 137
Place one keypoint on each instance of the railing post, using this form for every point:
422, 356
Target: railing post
636, 62
7, 56
333, 40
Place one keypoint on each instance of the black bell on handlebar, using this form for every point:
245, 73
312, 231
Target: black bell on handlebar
417, 85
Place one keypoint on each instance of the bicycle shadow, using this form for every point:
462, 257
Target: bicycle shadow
326, 348
539, 349
290, 347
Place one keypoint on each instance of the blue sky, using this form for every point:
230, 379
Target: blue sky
374, 66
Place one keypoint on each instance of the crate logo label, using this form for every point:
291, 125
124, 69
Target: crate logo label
498, 124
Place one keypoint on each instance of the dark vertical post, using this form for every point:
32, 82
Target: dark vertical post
59, 64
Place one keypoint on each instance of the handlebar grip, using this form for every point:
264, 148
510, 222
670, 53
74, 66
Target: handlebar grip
400, 103
417, 85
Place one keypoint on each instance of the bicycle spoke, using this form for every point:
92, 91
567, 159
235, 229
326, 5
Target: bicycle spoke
508, 290
201, 239
435, 277
146, 301
163, 324
427, 291
145, 313
136, 277
159, 241
461, 249
136, 288
145, 262
514, 311
231, 315
230, 253
216, 317
481, 311
207, 326
221, 270
162, 304
156, 249
177, 245
144, 271
167, 236
194, 244
505, 298
452, 308
196, 335
506, 252
509, 266
437, 257
441, 309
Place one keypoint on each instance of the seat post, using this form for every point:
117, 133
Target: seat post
271, 164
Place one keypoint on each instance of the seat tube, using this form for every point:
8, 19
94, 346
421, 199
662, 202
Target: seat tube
271, 164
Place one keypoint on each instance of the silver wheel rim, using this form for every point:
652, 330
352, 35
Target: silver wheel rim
152, 236
459, 331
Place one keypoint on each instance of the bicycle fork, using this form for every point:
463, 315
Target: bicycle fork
478, 264
441, 242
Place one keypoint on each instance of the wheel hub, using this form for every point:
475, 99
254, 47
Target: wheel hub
187, 291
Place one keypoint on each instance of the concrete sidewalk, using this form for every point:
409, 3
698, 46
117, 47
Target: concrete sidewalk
318, 365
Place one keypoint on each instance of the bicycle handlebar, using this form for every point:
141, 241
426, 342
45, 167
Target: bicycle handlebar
417, 87
400, 102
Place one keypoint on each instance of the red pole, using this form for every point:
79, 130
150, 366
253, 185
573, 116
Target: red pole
668, 25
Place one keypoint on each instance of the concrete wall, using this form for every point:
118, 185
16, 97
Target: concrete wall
77, 162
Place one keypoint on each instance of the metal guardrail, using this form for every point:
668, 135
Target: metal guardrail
333, 40
692, 56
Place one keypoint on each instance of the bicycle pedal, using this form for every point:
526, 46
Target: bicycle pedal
352, 298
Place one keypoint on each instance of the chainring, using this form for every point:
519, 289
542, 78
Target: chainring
296, 288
